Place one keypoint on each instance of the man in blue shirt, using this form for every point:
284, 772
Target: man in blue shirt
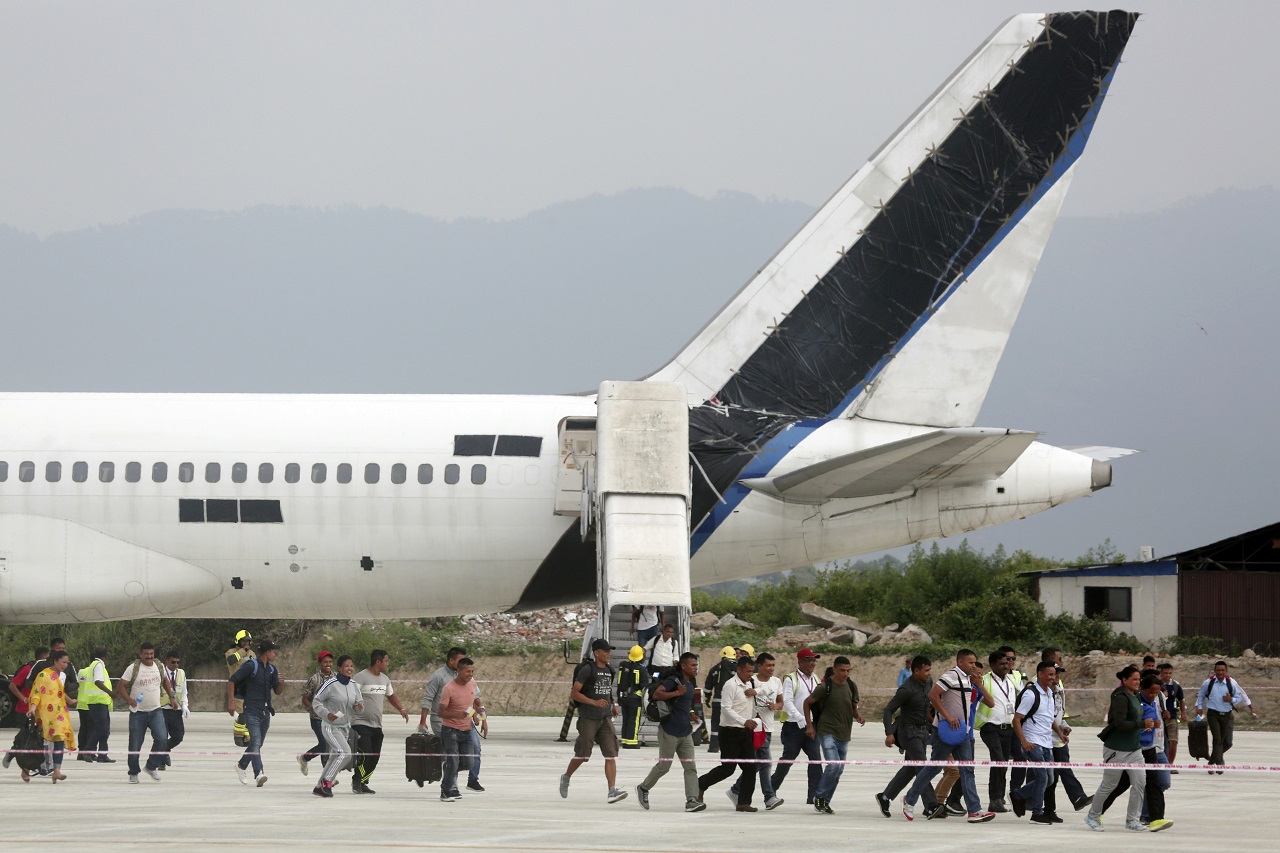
254, 682
905, 672
675, 733
1219, 697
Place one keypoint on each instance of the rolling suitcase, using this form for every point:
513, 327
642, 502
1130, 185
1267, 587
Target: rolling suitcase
1198, 739
422, 759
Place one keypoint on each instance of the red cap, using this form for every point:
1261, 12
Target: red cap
324, 654
808, 653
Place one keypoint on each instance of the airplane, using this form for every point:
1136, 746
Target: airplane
832, 411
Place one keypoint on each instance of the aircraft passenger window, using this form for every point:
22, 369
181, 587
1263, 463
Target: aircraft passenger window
239, 472
478, 474
292, 472
133, 472
371, 473
80, 471
424, 474
212, 472
159, 472
451, 474
27, 472
53, 471
106, 472
399, 473
186, 473
318, 472
266, 472
4, 471
344, 472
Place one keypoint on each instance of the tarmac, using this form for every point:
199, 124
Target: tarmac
200, 804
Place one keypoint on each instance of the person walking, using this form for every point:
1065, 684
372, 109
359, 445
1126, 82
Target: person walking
953, 696
313, 685
675, 733
1175, 702
1121, 745
253, 683
21, 692
459, 706
712, 690
1150, 693
910, 731
633, 678
1219, 697
431, 707
377, 689
995, 722
47, 705
1035, 724
768, 703
141, 685
738, 722
593, 685
94, 707
336, 701
796, 688
646, 622
175, 718
235, 656
662, 652
1061, 748
829, 713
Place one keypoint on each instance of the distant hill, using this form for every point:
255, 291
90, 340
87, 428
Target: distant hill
1150, 331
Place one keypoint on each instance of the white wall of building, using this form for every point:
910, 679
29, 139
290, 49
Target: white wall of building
1155, 600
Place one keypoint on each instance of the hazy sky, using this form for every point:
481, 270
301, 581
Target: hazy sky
495, 109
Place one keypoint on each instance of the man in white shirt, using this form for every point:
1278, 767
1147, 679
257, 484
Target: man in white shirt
662, 652
174, 718
645, 623
140, 685
1034, 725
796, 688
737, 723
768, 703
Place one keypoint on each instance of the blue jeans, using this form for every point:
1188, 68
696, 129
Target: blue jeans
257, 721
766, 778
456, 745
140, 722
794, 741
474, 775
832, 751
1037, 779
962, 751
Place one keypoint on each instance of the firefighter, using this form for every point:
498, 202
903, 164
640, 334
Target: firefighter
237, 655
633, 678
716, 680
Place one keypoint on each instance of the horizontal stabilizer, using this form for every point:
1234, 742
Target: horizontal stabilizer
1102, 454
964, 455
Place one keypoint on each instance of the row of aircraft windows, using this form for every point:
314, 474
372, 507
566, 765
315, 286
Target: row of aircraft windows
240, 472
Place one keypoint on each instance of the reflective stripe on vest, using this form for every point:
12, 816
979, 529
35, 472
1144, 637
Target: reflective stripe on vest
90, 694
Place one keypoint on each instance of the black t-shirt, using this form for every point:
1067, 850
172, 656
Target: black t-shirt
679, 724
597, 683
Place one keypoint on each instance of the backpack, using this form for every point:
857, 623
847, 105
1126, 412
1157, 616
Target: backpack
1035, 701
815, 710
241, 688
656, 710
165, 682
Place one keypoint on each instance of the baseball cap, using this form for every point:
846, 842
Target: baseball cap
266, 646
597, 645
809, 654
324, 654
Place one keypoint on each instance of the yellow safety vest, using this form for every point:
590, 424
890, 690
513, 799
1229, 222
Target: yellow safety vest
89, 692
179, 679
989, 686
237, 656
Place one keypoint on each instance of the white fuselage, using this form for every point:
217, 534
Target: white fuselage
76, 548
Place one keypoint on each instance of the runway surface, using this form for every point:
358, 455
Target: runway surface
200, 804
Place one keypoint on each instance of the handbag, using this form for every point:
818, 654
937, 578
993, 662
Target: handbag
29, 745
758, 736
952, 736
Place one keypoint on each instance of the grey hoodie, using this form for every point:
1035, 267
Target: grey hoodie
335, 697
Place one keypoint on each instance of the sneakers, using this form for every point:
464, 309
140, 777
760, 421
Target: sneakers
642, 797
616, 794
1053, 817
242, 772
981, 817
998, 807
153, 773
1082, 802
564, 787
1019, 804
472, 785
747, 808
689, 805
1135, 826
883, 803
450, 796
8, 758
955, 809
772, 803
935, 812
1093, 823
262, 780
322, 790
1042, 819
909, 812
303, 766
1157, 825
732, 795
133, 778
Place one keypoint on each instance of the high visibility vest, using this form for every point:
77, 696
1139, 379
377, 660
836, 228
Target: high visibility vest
179, 679
989, 687
90, 694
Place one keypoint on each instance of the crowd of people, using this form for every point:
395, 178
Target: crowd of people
741, 704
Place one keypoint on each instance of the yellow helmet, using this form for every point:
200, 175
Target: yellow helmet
727, 652
243, 635
636, 654
748, 648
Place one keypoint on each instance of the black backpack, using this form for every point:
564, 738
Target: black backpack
656, 710
1035, 700
815, 710
29, 745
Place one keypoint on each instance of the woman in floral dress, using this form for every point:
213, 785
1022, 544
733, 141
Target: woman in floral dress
48, 706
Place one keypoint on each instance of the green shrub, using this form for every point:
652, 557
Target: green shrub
1196, 645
